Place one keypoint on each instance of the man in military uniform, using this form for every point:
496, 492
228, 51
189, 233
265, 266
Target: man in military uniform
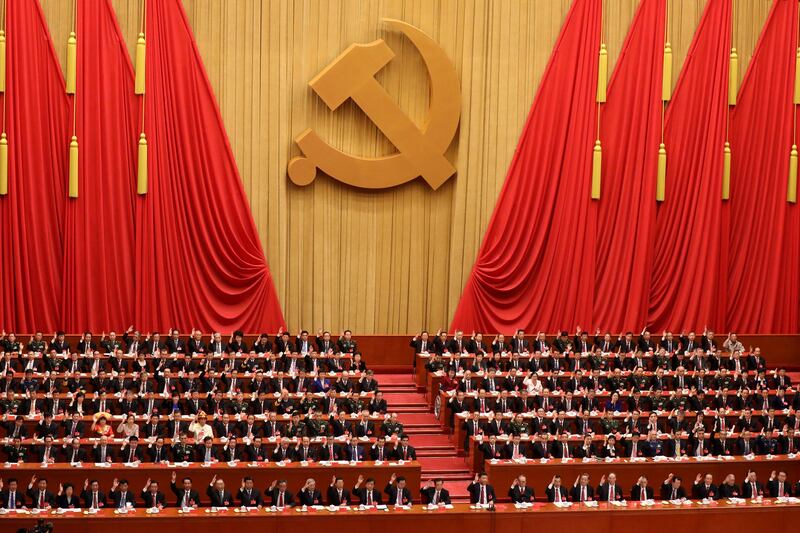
15, 453
392, 426
316, 425
182, 451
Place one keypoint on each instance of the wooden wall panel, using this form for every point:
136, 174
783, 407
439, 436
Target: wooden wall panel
388, 261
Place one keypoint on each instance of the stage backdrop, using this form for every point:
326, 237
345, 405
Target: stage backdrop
389, 261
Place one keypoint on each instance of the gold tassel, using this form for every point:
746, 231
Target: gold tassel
3, 164
2, 61
666, 82
602, 74
791, 194
141, 48
797, 77
141, 175
733, 77
72, 62
661, 180
597, 169
73, 167
726, 172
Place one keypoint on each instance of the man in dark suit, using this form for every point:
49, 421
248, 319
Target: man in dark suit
555, 491
581, 490
186, 495
280, 496
41, 498
174, 344
751, 487
338, 496
672, 488
778, 486
248, 495
520, 492
92, 496
152, 496
11, 497
309, 495
397, 492
608, 490
434, 493
121, 497
367, 495
642, 491
480, 492
519, 344
704, 488
220, 497
404, 451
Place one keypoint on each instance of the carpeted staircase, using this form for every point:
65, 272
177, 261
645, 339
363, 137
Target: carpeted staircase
435, 450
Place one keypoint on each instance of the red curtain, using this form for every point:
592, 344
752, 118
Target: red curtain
764, 258
630, 133
535, 268
98, 230
687, 290
31, 215
199, 262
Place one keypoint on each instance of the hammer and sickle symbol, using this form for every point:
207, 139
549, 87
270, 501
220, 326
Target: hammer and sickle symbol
420, 150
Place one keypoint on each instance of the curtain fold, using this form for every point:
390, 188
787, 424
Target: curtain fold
626, 212
686, 289
98, 229
199, 262
763, 280
32, 213
535, 268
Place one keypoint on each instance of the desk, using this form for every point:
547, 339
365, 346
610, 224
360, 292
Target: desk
506, 519
263, 474
539, 475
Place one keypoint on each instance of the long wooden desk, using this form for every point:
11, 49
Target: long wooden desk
539, 475
719, 516
263, 475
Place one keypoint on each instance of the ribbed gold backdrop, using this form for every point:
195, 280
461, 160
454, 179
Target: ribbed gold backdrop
389, 261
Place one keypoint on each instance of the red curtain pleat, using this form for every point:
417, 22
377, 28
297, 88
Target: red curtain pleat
686, 290
199, 261
630, 133
763, 264
32, 213
98, 230
535, 267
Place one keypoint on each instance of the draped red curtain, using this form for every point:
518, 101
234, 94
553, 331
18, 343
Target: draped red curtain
98, 229
535, 267
626, 213
32, 213
765, 229
687, 290
199, 262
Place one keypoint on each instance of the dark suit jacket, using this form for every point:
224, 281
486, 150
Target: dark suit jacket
116, 498
391, 492
194, 496
153, 501
474, 490
333, 497
575, 493
550, 492
217, 500
308, 498
428, 493
636, 493
602, 492
253, 500
361, 494
288, 497
521, 495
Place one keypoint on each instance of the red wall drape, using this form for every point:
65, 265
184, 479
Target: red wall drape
98, 230
630, 129
31, 215
763, 264
686, 289
199, 262
535, 267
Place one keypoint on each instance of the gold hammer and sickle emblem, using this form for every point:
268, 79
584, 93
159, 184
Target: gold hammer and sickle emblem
420, 150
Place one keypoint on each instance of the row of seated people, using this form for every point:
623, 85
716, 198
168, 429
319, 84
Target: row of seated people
167, 383
313, 424
118, 361
121, 495
696, 443
277, 494
597, 360
208, 450
134, 342
218, 403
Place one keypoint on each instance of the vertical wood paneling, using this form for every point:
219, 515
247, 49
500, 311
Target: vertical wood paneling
389, 261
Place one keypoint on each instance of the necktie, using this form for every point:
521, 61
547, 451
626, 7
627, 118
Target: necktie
611, 493
369, 497
566, 451
122, 500
583, 493
558, 494
483, 494
780, 490
11, 503
41, 499
399, 496
753, 491
280, 499
221, 497
94, 500
185, 498
102, 454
